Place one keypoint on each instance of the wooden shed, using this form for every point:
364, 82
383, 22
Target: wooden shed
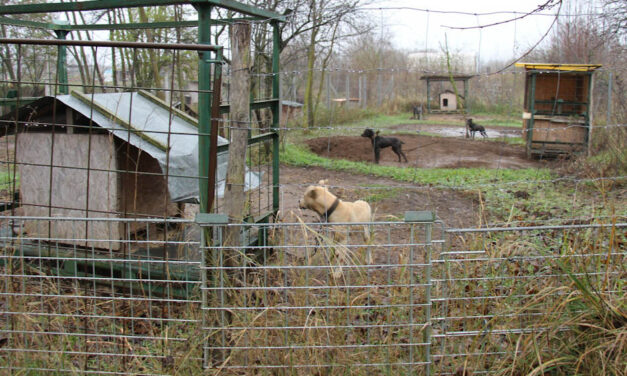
110, 155
557, 113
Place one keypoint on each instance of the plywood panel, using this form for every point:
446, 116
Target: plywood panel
553, 131
74, 191
144, 192
565, 87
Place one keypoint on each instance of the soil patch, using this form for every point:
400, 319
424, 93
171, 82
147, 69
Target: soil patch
428, 152
455, 208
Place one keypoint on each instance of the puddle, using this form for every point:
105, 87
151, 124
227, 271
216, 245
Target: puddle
453, 131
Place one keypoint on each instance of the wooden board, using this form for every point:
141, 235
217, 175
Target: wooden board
552, 131
69, 194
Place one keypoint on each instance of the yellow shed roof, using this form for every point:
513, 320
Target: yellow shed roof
559, 67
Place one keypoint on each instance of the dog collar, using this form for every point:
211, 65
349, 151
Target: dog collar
325, 217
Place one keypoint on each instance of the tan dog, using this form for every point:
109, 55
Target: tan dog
333, 210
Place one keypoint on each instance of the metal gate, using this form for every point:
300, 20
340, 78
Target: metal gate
322, 298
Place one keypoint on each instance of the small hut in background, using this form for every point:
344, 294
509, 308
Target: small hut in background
447, 98
557, 113
290, 110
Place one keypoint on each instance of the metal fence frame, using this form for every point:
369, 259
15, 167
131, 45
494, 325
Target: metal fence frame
151, 332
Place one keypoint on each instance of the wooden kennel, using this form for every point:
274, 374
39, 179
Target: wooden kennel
557, 113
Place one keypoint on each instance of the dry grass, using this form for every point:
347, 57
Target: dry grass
548, 302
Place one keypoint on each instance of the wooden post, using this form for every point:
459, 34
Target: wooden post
348, 88
234, 194
608, 117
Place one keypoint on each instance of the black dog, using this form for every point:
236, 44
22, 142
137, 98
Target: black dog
417, 112
379, 143
474, 127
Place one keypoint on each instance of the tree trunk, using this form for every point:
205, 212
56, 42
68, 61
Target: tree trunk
234, 194
153, 55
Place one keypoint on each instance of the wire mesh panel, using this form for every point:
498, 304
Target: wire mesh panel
98, 309
317, 298
500, 292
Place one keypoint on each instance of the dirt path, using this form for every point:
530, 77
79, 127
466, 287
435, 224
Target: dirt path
454, 207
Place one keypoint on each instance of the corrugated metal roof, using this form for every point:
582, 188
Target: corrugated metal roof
148, 124
559, 67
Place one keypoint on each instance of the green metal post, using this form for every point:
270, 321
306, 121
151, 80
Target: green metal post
588, 110
204, 126
276, 110
428, 96
62, 87
204, 104
532, 106
466, 103
426, 219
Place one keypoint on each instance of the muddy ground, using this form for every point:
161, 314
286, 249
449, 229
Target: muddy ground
428, 152
456, 208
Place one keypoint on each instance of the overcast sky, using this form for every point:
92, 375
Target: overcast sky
415, 30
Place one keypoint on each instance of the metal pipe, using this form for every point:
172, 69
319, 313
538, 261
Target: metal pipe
93, 43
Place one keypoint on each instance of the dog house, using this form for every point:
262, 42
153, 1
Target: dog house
84, 156
290, 110
448, 101
557, 113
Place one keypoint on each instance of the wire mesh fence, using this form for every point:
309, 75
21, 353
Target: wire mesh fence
499, 288
320, 299
72, 308
409, 297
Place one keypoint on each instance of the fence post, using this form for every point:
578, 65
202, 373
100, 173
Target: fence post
379, 88
62, 77
348, 88
360, 91
328, 83
426, 218
609, 99
212, 278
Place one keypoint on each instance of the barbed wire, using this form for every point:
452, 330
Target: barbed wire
303, 72
254, 126
475, 14
292, 16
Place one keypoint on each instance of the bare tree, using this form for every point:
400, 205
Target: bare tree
28, 64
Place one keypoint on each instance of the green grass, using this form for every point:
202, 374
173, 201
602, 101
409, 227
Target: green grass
375, 195
6, 180
509, 140
527, 195
454, 178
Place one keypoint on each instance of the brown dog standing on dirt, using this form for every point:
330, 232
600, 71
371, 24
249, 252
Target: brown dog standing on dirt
333, 210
